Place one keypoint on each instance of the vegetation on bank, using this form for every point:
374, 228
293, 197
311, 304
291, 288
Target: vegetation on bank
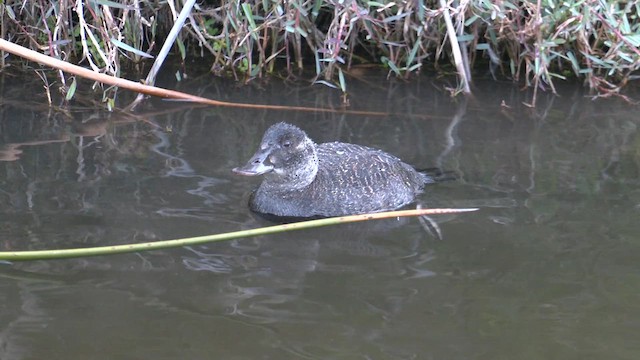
533, 42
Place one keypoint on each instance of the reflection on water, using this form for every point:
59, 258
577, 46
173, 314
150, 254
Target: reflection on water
547, 269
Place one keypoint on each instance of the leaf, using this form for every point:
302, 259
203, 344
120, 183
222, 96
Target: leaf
301, 31
72, 90
183, 52
574, 61
465, 37
316, 8
633, 39
112, 4
246, 8
597, 60
625, 56
413, 53
421, 10
395, 17
325, 83
385, 60
471, 20
343, 84
557, 76
130, 48
10, 12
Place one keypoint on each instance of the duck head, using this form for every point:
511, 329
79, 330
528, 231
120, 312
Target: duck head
287, 158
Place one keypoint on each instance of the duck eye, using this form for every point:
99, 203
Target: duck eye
286, 143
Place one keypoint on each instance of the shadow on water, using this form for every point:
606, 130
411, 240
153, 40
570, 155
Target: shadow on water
547, 268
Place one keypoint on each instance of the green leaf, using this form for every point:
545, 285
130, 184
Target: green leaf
129, 48
316, 8
72, 90
471, 20
255, 70
413, 53
633, 39
301, 31
246, 8
510, 5
325, 83
625, 56
10, 12
465, 37
343, 84
395, 17
112, 4
557, 76
624, 26
421, 10
301, 9
597, 60
385, 60
181, 48
111, 104
574, 61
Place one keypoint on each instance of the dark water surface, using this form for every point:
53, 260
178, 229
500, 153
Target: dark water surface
549, 268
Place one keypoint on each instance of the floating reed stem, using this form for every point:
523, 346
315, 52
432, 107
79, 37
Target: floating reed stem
166, 244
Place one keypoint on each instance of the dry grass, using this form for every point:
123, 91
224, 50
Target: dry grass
533, 42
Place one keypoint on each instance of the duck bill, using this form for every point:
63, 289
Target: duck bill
255, 166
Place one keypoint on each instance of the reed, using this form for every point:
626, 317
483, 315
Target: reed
57, 254
533, 42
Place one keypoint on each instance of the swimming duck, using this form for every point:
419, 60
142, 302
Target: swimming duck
305, 180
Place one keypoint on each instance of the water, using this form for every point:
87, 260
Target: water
547, 269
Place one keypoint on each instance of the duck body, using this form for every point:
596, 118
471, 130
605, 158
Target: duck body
305, 180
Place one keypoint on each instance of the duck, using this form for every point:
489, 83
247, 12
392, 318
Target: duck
302, 179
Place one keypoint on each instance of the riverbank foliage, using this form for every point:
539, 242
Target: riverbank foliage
532, 42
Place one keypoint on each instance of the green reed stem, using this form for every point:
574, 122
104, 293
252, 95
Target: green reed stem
166, 244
